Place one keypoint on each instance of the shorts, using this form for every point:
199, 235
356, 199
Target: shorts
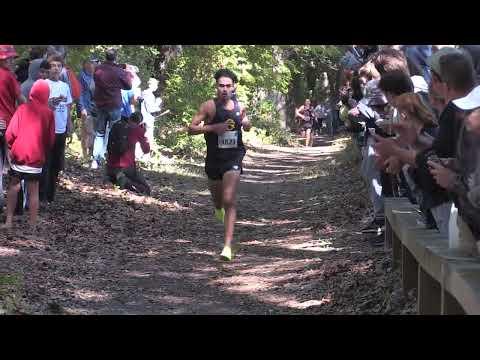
307, 125
24, 176
215, 168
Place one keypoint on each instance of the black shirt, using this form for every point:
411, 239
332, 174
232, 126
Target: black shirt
215, 152
444, 146
449, 125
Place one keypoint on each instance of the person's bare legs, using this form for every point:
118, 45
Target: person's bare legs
32, 186
230, 182
308, 135
215, 187
13, 190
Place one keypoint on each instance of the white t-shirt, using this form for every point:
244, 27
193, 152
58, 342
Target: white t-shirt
58, 88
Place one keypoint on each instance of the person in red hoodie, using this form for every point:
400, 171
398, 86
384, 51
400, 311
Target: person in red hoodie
30, 135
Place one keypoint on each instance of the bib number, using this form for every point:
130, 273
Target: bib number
228, 140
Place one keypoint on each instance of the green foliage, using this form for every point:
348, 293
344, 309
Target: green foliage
263, 70
260, 70
266, 124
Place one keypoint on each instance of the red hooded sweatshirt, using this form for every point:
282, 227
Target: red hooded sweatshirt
31, 132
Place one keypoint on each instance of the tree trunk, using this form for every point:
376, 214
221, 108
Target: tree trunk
280, 101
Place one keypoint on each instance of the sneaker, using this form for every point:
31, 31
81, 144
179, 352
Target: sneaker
374, 227
94, 165
220, 215
227, 254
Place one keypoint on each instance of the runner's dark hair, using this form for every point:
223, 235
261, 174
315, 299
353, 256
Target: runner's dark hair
226, 73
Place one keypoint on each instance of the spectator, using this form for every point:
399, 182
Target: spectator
22, 70
387, 60
417, 56
38, 69
30, 136
461, 177
60, 100
10, 94
121, 166
394, 82
353, 58
86, 107
151, 106
67, 75
474, 51
109, 79
452, 78
368, 72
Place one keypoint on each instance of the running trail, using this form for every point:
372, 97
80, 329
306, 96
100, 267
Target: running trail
105, 251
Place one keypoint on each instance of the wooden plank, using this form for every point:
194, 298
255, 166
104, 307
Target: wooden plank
409, 270
429, 294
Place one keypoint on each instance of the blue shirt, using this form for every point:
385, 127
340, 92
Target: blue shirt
127, 96
88, 87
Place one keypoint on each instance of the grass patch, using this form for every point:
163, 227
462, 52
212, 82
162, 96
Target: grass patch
10, 294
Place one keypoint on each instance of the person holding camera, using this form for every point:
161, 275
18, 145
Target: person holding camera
121, 166
110, 78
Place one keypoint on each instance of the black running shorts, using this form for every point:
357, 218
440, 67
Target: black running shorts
215, 168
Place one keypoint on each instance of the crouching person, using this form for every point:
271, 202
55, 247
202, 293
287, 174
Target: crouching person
121, 166
30, 136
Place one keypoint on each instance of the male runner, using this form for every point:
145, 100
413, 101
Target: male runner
221, 121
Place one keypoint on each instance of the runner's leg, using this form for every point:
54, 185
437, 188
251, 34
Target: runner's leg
215, 187
230, 182
308, 133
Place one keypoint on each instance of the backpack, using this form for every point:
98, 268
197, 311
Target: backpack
118, 138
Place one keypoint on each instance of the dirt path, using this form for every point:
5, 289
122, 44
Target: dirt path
103, 251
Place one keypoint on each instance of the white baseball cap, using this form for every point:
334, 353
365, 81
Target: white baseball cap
469, 102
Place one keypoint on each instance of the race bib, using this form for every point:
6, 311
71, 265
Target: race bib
228, 140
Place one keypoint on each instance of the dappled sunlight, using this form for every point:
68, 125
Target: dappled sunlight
138, 274
120, 253
309, 303
274, 275
315, 245
89, 295
4, 251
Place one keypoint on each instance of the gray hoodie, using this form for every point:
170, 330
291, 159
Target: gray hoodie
33, 71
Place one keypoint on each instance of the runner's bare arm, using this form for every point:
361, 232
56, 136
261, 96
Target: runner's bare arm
200, 121
198, 125
246, 124
297, 112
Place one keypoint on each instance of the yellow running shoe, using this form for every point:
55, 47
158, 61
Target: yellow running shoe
220, 215
227, 254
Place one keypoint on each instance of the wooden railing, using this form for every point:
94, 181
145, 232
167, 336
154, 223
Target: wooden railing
447, 281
